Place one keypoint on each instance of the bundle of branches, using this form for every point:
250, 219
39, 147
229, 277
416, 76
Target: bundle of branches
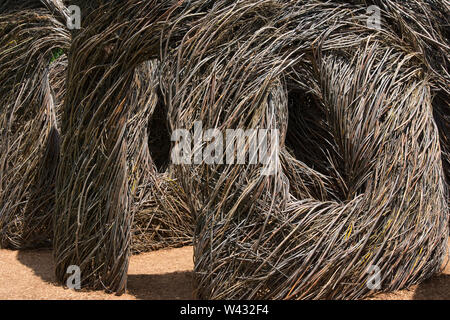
360, 182
161, 217
359, 187
93, 220
29, 139
426, 28
33, 228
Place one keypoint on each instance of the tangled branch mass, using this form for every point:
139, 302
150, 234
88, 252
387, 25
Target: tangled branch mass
363, 117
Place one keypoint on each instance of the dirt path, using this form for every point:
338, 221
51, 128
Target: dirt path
165, 274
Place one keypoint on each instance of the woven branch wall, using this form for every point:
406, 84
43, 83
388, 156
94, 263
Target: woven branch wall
29, 125
35, 44
360, 147
363, 117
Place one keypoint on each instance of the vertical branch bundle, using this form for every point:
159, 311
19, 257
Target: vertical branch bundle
362, 116
28, 125
161, 216
93, 219
370, 192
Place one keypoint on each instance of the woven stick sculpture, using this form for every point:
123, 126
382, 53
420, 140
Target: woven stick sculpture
93, 221
29, 138
31, 224
161, 216
354, 106
360, 182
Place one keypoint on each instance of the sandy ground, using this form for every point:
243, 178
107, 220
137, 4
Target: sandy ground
165, 274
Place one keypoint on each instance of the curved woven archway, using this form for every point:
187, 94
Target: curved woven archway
34, 67
376, 196
96, 198
306, 232
29, 138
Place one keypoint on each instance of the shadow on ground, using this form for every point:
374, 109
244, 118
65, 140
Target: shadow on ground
435, 288
40, 261
179, 285
169, 286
